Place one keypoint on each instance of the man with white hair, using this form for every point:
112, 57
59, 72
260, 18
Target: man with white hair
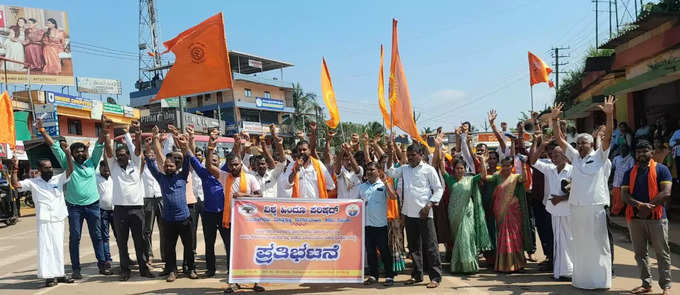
587, 200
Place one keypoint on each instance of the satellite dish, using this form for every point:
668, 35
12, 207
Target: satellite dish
111, 100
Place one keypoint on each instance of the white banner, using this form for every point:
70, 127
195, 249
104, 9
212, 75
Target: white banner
98, 86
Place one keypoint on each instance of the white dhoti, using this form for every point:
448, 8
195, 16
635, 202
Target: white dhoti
563, 266
590, 248
50, 249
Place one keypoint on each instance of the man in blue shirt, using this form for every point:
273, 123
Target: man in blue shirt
647, 223
175, 214
375, 193
213, 204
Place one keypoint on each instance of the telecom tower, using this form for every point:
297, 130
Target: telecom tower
150, 74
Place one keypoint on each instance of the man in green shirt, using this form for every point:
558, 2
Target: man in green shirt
82, 197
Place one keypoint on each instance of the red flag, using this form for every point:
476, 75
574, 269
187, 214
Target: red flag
538, 71
201, 60
400, 99
8, 133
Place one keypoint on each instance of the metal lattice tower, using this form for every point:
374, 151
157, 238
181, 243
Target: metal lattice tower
148, 41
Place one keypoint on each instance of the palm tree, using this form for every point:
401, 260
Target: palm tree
305, 105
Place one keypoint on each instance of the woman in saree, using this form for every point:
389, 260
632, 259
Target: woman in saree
466, 214
54, 42
14, 45
512, 218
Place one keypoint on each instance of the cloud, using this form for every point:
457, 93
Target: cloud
448, 95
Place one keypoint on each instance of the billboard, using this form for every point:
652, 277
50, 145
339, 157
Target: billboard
98, 86
40, 39
296, 241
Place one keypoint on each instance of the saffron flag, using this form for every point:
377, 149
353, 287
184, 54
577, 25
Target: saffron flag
329, 96
8, 134
201, 60
381, 92
400, 99
538, 71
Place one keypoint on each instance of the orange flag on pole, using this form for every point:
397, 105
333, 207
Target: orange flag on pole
201, 60
400, 99
539, 71
8, 133
381, 92
329, 96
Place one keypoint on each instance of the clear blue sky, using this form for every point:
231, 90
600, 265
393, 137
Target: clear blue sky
461, 57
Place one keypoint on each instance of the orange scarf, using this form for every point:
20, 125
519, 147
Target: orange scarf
392, 204
243, 187
334, 193
652, 188
323, 194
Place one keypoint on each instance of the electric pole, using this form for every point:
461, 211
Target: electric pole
556, 64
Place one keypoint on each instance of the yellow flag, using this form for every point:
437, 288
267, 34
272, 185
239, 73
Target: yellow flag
400, 99
381, 92
329, 96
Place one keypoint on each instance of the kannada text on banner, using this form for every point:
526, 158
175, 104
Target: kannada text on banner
297, 241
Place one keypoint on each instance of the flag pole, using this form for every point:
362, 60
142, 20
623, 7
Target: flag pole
532, 97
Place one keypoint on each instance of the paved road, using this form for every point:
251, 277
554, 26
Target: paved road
18, 274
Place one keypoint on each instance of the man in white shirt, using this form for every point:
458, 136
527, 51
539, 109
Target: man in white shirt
105, 188
304, 172
555, 172
622, 163
265, 169
128, 202
50, 210
587, 199
422, 190
153, 206
349, 174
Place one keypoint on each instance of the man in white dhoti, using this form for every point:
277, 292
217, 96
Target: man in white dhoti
555, 172
50, 210
587, 200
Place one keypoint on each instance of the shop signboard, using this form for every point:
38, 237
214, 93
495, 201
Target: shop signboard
69, 101
98, 86
269, 104
48, 114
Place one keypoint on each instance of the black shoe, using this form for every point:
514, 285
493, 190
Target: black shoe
258, 288
76, 275
209, 274
147, 274
124, 276
165, 272
65, 279
105, 271
50, 282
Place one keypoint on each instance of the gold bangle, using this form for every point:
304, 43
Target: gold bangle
42, 129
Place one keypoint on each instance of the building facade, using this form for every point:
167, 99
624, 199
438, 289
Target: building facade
256, 100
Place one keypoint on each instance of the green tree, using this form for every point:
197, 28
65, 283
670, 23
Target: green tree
306, 108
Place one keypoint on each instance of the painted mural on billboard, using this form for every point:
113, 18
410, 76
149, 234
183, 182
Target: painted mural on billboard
40, 39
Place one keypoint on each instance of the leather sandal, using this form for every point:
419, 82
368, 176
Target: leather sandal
432, 284
641, 290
